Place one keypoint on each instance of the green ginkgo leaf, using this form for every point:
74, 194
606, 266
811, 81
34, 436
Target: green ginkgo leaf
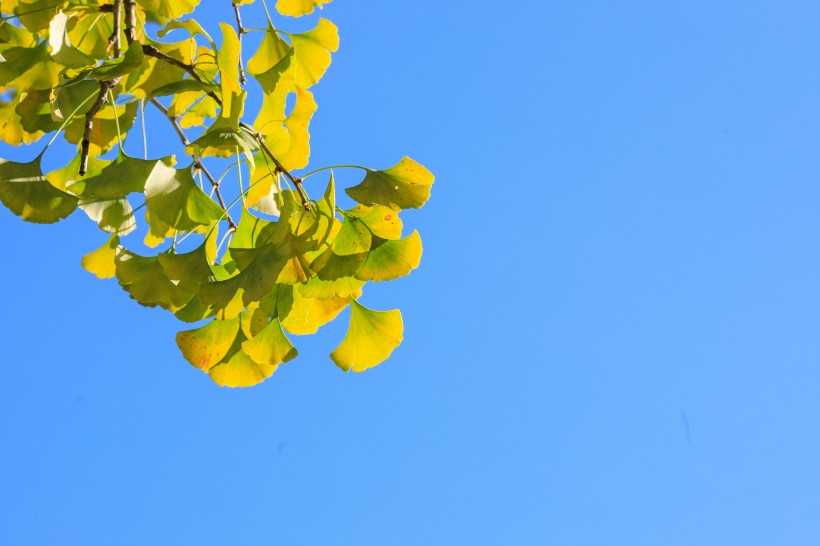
34, 109
271, 346
102, 262
121, 66
389, 260
297, 8
145, 280
402, 186
174, 198
26, 192
29, 68
371, 338
321, 289
189, 270
205, 347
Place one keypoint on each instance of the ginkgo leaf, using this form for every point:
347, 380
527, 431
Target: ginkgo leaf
240, 370
270, 53
29, 68
228, 61
153, 73
307, 315
102, 262
206, 346
225, 138
115, 68
145, 280
182, 86
321, 289
189, 270
371, 338
162, 10
270, 346
61, 49
297, 8
26, 192
173, 197
11, 126
381, 221
402, 186
353, 238
191, 25
312, 52
389, 260
34, 109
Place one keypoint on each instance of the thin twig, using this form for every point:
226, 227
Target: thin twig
114, 40
198, 165
240, 30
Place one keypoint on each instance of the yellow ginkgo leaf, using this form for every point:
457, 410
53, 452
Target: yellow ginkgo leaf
228, 61
312, 52
240, 370
370, 339
205, 347
102, 262
297, 8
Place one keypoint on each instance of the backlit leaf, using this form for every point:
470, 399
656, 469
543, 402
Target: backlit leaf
389, 260
371, 337
206, 346
26, 192
297, 8
101, 262
270, 347
173, 197
402, 186
312, 52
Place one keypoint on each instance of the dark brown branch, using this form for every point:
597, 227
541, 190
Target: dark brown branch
102, 99
197, 163
130, 21
240, 30
114, 40
156, 53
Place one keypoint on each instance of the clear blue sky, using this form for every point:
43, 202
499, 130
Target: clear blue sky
614, 337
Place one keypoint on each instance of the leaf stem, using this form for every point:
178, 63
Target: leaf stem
317, 171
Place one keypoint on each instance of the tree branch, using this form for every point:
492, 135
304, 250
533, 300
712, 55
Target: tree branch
102, 99
130, 21
114, 40
240, 30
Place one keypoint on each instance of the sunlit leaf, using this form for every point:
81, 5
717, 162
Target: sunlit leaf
270, 347
402, 186
389, 260
312, 52
371, 337
206, 346
297, 8
101, 262
240, 370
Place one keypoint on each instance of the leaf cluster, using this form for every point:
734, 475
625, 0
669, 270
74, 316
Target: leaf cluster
272, 264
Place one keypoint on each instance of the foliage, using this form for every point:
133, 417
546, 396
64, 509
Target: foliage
271, 264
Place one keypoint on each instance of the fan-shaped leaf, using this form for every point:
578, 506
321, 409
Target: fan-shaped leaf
371, 337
